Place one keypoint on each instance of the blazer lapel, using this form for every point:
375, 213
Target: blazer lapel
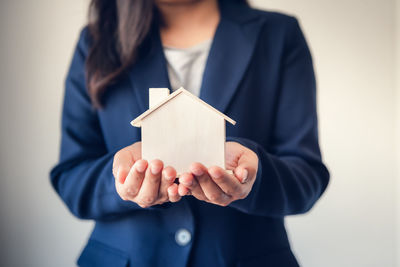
230, 54
149, 71
228, 59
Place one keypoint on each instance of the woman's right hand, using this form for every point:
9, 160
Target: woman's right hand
143, 183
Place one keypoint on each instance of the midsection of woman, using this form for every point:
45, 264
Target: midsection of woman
219, 237
259, 72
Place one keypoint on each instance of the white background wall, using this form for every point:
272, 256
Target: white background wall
398, 125
353, 43
37, 40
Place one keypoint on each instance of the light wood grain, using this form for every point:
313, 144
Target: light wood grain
138, 121
157, 95
184, 131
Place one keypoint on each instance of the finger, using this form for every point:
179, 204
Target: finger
168, 178
197, 192
173, 194
148, 193
183, 190
242, 174
247, 166
122, 163
136, 150
228, 183
192, 184
135, 178
185, 180
211, 190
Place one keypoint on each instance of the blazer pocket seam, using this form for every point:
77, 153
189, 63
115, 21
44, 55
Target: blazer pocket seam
94, 248
108, 248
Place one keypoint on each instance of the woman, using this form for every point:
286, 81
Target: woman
252, 65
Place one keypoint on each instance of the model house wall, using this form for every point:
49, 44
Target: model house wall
183, 131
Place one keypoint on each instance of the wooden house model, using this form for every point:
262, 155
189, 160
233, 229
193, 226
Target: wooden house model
180, 129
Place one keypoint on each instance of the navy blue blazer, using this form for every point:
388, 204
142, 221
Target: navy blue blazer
260, 73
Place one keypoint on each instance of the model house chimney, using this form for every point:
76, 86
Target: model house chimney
156, 95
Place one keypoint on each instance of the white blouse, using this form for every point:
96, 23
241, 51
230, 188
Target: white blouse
186, 66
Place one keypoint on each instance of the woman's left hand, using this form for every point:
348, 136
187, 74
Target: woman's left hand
216, 185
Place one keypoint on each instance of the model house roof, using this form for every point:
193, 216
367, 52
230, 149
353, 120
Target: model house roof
138, 121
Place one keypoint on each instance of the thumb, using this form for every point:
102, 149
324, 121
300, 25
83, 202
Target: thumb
122, 173
123, 162
242, 174
247, 166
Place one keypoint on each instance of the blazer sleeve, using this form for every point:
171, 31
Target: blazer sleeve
83, 177
291, 175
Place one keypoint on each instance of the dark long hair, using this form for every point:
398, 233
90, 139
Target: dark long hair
117, 28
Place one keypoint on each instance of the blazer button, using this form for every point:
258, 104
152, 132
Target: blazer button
183, 237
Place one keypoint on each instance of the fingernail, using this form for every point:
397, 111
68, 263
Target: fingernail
154, 169
167, 176
245, 175
140, 167
170, 192
198, 172
216, 174
187, 183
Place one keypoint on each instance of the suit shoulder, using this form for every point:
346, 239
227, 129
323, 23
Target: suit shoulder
84, 39
245, 13
275, 18
279, 25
